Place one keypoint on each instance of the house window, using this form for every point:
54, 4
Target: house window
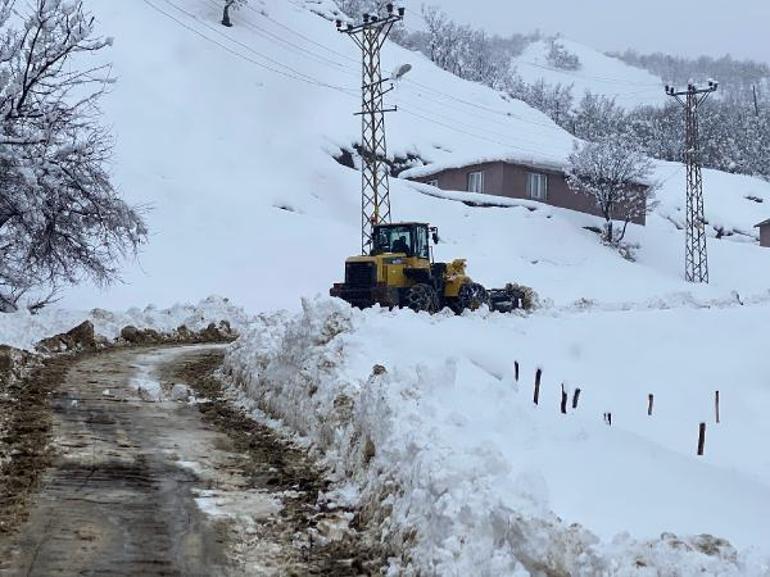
537, 186
476, 181
433, 182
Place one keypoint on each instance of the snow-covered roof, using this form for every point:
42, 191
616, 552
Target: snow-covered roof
545, 162
763, 223
553, 162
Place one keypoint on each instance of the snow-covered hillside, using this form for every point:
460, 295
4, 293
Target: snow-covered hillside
597, 73
228, 136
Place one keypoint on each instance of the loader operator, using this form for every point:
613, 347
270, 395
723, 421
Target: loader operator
400, 245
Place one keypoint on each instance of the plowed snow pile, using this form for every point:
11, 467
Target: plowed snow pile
423, 423
23, 330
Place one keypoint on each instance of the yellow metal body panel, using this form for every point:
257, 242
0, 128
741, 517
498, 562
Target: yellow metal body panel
390, 267
390, 271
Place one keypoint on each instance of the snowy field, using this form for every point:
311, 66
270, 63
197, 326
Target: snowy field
455, 449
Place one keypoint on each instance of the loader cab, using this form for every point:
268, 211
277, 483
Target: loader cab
409, 238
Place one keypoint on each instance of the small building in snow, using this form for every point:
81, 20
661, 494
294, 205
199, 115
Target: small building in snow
764, 232
540, 180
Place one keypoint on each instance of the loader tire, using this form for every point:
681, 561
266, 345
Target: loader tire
471, 297
422, 297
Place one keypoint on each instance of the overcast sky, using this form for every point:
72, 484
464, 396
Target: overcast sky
715, 27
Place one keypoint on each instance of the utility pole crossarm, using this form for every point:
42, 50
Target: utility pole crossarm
370, 37
696, 254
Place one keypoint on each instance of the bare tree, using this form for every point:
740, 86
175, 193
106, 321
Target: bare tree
60, 217
463, 51
617, 176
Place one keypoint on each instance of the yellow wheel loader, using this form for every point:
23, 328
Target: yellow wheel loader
400, 272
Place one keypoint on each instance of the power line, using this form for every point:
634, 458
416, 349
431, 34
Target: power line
292, 72
409, 81
607, 79
417, 112
604, 79
496, 113
278, 40
465, 132
457, 122
302, 36
309, 80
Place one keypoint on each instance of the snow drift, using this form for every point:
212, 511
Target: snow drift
23, 330
463, 475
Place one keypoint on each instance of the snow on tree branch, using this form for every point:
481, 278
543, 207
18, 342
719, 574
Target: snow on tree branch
463, 51
561, 58
60, 217
617, 177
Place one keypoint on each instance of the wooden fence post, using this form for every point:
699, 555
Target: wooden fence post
563, 400
701, 438
576, 399
650, 402
538, 376
716, 405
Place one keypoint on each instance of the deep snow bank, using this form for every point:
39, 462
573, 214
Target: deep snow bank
24, 330
423, 426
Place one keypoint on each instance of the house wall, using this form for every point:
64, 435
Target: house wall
764, 235
457, 179
510, 180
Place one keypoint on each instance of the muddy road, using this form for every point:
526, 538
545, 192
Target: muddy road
154, 473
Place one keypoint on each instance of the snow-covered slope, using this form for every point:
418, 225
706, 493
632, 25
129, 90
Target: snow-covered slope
598, 74
228, 136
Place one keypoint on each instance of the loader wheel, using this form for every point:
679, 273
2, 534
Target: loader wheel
422, 297
471, 296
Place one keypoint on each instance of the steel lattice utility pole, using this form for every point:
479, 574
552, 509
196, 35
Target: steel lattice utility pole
696, 255
375, 185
